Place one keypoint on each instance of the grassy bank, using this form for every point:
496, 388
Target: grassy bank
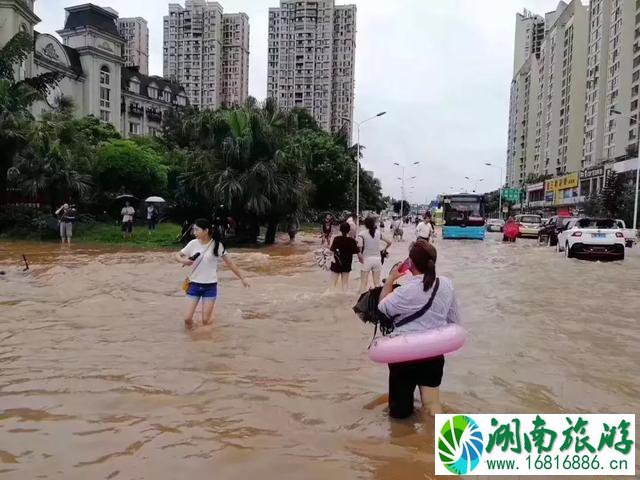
110, 234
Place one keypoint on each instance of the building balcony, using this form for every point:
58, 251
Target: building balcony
136, 110
154, 115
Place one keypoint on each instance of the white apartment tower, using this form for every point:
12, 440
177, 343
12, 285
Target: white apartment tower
311, 59
194, 53
135, 31
525, 87
235, 58
613, 79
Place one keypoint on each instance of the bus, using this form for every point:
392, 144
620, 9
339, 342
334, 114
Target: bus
463, 216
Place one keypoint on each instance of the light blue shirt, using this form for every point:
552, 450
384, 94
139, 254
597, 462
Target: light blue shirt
411, 297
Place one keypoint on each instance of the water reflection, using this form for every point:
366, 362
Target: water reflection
99, 379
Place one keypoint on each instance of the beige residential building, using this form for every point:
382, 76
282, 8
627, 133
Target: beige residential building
135, 32
529, 37
525, 87
235, 58
311, 59
561, 101
194, 53
613, 78
91, 68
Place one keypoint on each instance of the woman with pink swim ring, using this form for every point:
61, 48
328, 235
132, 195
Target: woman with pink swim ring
425, 288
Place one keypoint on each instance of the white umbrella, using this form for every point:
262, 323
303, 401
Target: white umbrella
155, 200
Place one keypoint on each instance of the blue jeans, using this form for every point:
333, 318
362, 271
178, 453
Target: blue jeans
204, 291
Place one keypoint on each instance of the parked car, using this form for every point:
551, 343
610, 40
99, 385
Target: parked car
548, 233
529, 225
592, 238
630, 235
495, 225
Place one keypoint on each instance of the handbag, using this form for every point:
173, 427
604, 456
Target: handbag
187, 280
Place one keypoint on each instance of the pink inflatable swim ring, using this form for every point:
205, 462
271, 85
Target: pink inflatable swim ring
410, 347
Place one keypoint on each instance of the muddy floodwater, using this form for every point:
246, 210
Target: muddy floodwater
99, 379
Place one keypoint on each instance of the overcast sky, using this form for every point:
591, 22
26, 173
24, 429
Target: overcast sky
441, 69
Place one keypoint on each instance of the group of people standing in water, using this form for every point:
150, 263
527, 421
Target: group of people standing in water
412, 290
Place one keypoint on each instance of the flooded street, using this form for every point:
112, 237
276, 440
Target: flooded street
99, 379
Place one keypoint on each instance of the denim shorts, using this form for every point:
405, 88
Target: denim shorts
204, 291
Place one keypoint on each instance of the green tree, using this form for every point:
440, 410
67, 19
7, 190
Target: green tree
46, 167
16, 98
123, 166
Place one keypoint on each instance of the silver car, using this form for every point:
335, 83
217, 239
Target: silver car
495, 225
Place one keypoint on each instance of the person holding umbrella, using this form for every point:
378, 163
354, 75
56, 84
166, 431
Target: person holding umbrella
127, 213
152, 212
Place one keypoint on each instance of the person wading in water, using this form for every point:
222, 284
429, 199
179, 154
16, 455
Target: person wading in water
203, 254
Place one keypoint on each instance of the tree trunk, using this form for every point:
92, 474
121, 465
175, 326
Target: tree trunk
272, 229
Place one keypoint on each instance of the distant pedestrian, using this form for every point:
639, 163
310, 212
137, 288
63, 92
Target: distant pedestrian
326, 230
353, 225
396, 226
127, 213
152, 217
371, 258
344, 248
424, 230
66, 216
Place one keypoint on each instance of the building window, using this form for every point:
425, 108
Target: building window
105, 116
152, 92
134, 128
105, 100
134, 85
105, 75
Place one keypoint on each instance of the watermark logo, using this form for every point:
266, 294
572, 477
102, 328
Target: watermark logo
591, 445
460, 444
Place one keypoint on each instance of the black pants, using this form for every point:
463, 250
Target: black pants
405, 377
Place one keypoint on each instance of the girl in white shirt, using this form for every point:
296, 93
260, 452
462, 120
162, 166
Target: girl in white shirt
203, 254
369, 242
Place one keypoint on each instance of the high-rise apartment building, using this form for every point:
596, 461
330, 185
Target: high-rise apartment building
312, 58
525, 87
529, 36
135, 31
235, 58
613, 79
194, 53
562, 94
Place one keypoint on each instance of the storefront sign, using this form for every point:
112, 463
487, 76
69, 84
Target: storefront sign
593, 172
561, 183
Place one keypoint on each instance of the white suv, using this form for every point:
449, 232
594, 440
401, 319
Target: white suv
592, 238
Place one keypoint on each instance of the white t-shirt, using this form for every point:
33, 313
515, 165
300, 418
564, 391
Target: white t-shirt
207, 270
371, 244
150, 211
127, 214
411, 297
424, 230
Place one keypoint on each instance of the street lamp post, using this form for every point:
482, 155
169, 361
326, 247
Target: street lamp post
402, 187
636, 119
500, 190
358, 124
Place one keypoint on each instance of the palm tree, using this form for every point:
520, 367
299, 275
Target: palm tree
16, 98
241, 164
45, 166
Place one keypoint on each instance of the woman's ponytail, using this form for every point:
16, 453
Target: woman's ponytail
429, 275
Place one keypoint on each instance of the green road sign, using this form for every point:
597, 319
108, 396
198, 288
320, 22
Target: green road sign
511, 195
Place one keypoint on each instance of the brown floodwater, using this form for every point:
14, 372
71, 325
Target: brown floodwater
99, 379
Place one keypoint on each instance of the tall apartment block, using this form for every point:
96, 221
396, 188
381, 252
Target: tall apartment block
235, 58
562, 73
312, 58
135, 31
613, 80
194, 53
525, 88
546, 118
